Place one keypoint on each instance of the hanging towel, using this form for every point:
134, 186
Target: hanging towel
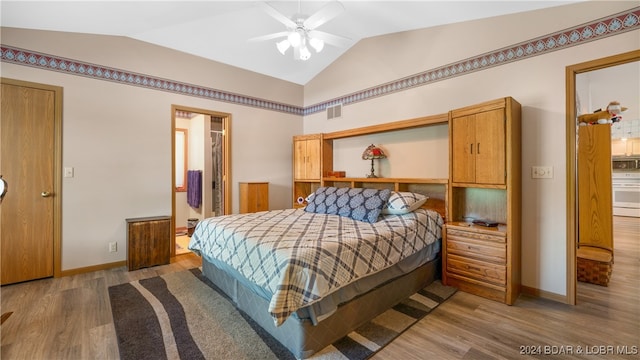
194, 188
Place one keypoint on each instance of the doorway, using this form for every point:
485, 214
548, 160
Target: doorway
200, 170
571, 126
30, 215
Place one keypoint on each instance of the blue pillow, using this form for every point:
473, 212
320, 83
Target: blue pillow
355, 203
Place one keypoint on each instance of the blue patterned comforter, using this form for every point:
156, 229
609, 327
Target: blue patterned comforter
300, 257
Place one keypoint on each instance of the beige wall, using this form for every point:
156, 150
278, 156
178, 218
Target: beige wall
118, 137
538, 83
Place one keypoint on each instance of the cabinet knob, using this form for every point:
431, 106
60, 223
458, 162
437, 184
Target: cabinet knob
45, 194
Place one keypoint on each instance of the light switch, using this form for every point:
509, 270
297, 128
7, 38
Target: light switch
541, 172
68, 172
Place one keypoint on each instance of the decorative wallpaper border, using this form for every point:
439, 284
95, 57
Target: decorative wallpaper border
597, 29
100, 72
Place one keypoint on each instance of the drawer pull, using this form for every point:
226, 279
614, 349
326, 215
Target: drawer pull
473, 268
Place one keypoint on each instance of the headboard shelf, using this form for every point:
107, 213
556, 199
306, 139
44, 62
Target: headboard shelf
390, 126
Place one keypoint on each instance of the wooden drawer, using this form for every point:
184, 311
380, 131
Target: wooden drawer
483, 250
488, 272
475, 233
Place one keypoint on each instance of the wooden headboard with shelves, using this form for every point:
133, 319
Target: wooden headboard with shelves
313, 160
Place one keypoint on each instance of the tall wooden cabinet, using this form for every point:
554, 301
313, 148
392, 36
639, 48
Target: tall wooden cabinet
595, 218
484, 184
254, 197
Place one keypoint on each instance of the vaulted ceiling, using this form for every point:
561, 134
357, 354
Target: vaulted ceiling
220, 30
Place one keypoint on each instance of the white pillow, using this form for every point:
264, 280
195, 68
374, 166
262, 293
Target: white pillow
403, 202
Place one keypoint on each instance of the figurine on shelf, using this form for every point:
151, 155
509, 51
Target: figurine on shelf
609, 115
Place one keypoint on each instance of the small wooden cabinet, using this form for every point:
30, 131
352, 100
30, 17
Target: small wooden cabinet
254, 197
148, 241
485, 183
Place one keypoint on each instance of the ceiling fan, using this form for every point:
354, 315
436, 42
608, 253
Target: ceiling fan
301, 30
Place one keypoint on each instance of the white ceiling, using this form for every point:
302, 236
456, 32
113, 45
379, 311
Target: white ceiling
219, 30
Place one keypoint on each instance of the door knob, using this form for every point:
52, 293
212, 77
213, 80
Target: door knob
3, 188
45, 194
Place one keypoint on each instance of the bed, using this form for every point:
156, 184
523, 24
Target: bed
311, 275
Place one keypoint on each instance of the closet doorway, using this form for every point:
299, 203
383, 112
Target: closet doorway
200, 164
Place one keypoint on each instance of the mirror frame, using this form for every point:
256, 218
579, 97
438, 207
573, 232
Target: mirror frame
572, 157
182, 153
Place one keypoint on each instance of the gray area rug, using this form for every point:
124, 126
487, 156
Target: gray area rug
182, 315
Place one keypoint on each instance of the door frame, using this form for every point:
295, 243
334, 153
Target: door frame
57, 166
572, 157
226, 159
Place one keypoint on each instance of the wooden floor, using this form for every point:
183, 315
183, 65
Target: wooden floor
469, 327
70, 317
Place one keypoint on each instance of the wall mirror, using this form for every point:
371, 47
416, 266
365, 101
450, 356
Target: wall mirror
604, 72
181, 156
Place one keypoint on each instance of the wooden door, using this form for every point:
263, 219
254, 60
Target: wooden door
490, 147
463, 166
28, 146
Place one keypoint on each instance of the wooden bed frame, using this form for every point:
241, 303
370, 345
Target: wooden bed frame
303, 338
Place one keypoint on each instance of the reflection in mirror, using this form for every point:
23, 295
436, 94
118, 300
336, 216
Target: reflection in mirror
592, 85
181, 159
597, 88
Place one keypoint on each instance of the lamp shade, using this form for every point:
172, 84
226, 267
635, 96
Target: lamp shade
373, 152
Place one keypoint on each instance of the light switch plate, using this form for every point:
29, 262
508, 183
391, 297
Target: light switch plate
541, 172
68, 172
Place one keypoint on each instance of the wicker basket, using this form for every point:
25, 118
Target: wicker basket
594, 265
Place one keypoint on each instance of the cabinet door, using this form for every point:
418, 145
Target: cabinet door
463, 139
306, 159
490, 147
299, 159
595, 218
618, 147
313, 159
634, 146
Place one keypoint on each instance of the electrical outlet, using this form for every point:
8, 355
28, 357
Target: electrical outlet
68, 172
541, 172
113, 246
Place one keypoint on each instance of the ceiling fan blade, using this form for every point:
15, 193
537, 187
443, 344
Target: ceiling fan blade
270, 36
330, 38
277, 15
323, 15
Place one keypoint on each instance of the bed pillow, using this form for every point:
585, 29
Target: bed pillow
355, 203
403, 202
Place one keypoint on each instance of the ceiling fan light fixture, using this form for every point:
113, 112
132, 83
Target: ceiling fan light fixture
317, 44
305, 54
283, 46
294, 38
